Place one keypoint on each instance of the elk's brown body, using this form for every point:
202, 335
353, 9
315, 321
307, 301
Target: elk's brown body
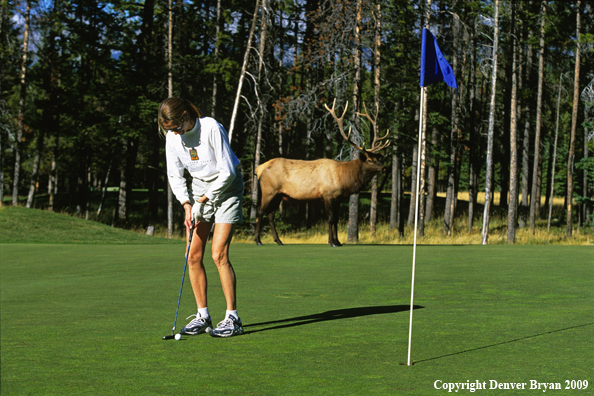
323, 179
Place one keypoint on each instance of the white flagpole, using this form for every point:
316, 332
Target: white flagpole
412, 287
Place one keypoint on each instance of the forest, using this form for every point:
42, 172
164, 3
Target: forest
81, 82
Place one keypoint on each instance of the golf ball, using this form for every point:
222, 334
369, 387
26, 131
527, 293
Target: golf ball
178, 337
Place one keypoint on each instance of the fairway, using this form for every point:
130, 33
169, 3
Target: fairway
88, 320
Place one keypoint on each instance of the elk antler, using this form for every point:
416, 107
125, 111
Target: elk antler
339, 122
376, 145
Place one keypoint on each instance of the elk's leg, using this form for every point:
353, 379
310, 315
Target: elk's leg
331, 206
274, 204
266, 205
258, 225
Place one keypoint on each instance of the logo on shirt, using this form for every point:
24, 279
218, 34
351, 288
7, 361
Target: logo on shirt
193, 154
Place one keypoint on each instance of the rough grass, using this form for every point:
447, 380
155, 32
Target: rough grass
434, 235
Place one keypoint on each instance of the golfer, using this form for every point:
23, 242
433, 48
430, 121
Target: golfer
201, 146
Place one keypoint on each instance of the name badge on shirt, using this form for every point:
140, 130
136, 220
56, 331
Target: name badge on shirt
193, 154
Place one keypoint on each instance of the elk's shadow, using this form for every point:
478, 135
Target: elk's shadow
330, 315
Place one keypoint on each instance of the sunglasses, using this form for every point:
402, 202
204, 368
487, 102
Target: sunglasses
179, 128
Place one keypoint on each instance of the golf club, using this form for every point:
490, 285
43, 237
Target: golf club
172, 335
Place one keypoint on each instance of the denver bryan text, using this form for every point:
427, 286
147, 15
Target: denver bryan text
493, 384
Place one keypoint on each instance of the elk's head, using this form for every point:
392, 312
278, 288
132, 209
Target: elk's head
371, 158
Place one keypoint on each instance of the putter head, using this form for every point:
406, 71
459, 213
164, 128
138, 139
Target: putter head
169, 337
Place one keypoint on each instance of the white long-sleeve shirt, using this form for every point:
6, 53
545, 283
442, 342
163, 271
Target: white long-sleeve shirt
205, 152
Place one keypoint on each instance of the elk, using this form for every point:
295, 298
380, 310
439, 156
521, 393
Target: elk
323, 179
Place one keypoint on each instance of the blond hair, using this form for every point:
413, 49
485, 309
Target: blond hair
173, 110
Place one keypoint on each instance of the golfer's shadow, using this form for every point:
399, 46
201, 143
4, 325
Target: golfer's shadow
330, 315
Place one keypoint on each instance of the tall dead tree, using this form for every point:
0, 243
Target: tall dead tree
376, 98
169, 94
21, 117
451, 194
536, 180
576, 99
217, 45
512, 211
554, 154
488, 177
525, 190
353, 229
261, 112
246, 58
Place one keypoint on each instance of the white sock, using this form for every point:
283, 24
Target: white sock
231, 313
203, 312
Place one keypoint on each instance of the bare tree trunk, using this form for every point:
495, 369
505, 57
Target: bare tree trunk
576, 86
213, 111
353, 229
554, 155
261, 111
535, 194
451, 195
21, 117
105, 185
431, 175
169, 94
376, 86
489, 171
396, 200
35, 172
512, 211
53, 178
586, 208
525, 203
246, 57
472, 161
421, 214
413, 184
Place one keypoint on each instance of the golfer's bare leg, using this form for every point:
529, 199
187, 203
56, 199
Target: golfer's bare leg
196, 263
221, 240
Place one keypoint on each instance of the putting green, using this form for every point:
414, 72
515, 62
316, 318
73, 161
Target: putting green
88, 320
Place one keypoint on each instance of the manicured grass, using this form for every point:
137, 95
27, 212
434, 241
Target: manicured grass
22, 225
87, 319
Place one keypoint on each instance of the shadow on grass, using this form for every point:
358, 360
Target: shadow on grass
504, 342
331, 315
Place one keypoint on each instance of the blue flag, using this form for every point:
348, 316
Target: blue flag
434, 67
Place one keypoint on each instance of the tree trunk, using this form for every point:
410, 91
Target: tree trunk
512, 211
474, 136
262, 110
246, 58
376, 86
353, 229
451, 195
413, 184
489, 171
535, 194
21, 117
552, 192
574, 114
105, 186
421, 213
525, 203
396, 200
169, 94
432, 171
586, 208
35, 172
217, 44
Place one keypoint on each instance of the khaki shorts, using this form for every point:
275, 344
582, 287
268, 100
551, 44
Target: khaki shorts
226, 209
